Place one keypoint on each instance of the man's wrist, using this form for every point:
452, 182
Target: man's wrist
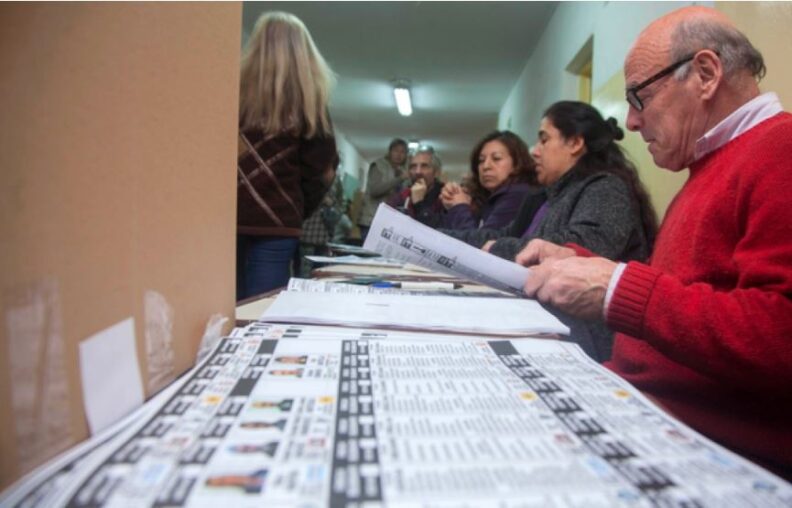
614, 281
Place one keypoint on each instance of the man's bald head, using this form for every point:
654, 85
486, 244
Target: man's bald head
686, 72
684, 31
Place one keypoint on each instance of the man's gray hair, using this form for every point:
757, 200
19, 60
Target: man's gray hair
735, 51
436, 162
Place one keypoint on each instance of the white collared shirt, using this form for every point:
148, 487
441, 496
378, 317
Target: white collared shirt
745, 117
742, 119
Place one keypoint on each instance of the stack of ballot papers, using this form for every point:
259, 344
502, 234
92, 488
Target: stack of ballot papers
352, 259
300, 415
494, 316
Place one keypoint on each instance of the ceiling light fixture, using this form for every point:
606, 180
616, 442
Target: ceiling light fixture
401, 92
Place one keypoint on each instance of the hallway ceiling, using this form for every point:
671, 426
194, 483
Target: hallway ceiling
463, 58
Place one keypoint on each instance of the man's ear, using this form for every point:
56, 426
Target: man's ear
709, 70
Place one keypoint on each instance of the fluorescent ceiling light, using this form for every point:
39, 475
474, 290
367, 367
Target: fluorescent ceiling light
413, 145
402, 95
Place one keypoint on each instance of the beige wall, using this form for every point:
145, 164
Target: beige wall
769, 27
117, 188
661, 184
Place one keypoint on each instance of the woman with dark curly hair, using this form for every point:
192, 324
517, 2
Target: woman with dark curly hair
501, 174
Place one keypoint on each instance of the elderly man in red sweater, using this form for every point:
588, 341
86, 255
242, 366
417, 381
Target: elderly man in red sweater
706, 327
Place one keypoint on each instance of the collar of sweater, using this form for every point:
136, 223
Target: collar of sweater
553, 190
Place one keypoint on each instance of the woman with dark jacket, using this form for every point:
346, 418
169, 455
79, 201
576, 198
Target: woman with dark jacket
287, 151
501, 174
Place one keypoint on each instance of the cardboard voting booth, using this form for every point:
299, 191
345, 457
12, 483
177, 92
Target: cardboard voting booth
117, 202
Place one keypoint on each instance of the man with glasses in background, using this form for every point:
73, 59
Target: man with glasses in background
706, 327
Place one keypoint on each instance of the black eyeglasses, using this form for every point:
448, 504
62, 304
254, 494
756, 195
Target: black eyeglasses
632, 92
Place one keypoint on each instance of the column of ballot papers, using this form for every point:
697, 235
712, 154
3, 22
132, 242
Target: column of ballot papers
344, 394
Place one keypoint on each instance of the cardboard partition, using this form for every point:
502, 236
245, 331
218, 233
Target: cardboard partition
117, 199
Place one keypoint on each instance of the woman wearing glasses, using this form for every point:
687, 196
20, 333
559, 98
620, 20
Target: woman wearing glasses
594, 197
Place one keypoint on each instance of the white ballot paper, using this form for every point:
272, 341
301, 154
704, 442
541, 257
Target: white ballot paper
497, 316
266, 421
350, 249
397, 236
356, 260
414, 288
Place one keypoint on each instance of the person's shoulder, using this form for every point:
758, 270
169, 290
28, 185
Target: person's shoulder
520, 188
382, 162
513, 190
769, 139
779, 126
319, 139
601, 178
604, 182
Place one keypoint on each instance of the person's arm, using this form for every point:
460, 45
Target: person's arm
505, 207
602, 221
739, 336
460, 217
742, 335
507, 247
532, 201
318, 160
475, 237
381, 182
429, 211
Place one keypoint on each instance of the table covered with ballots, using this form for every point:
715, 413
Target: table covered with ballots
345, 395
299, 415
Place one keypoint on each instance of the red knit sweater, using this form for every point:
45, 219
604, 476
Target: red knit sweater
706, 328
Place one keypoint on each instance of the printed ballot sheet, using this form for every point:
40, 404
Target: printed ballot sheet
281, 415
397, 236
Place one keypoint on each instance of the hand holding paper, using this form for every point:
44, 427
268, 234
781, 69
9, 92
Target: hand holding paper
397, 236
575, 285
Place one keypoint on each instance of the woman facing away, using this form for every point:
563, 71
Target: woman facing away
502, 173
593, 196
287, 151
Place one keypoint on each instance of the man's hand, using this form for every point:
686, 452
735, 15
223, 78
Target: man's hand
538, 251
418, 191
576, 285
452, 195
487, 245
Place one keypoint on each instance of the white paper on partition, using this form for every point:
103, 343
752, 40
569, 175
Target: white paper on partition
397, 236
111, 381
495, 316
